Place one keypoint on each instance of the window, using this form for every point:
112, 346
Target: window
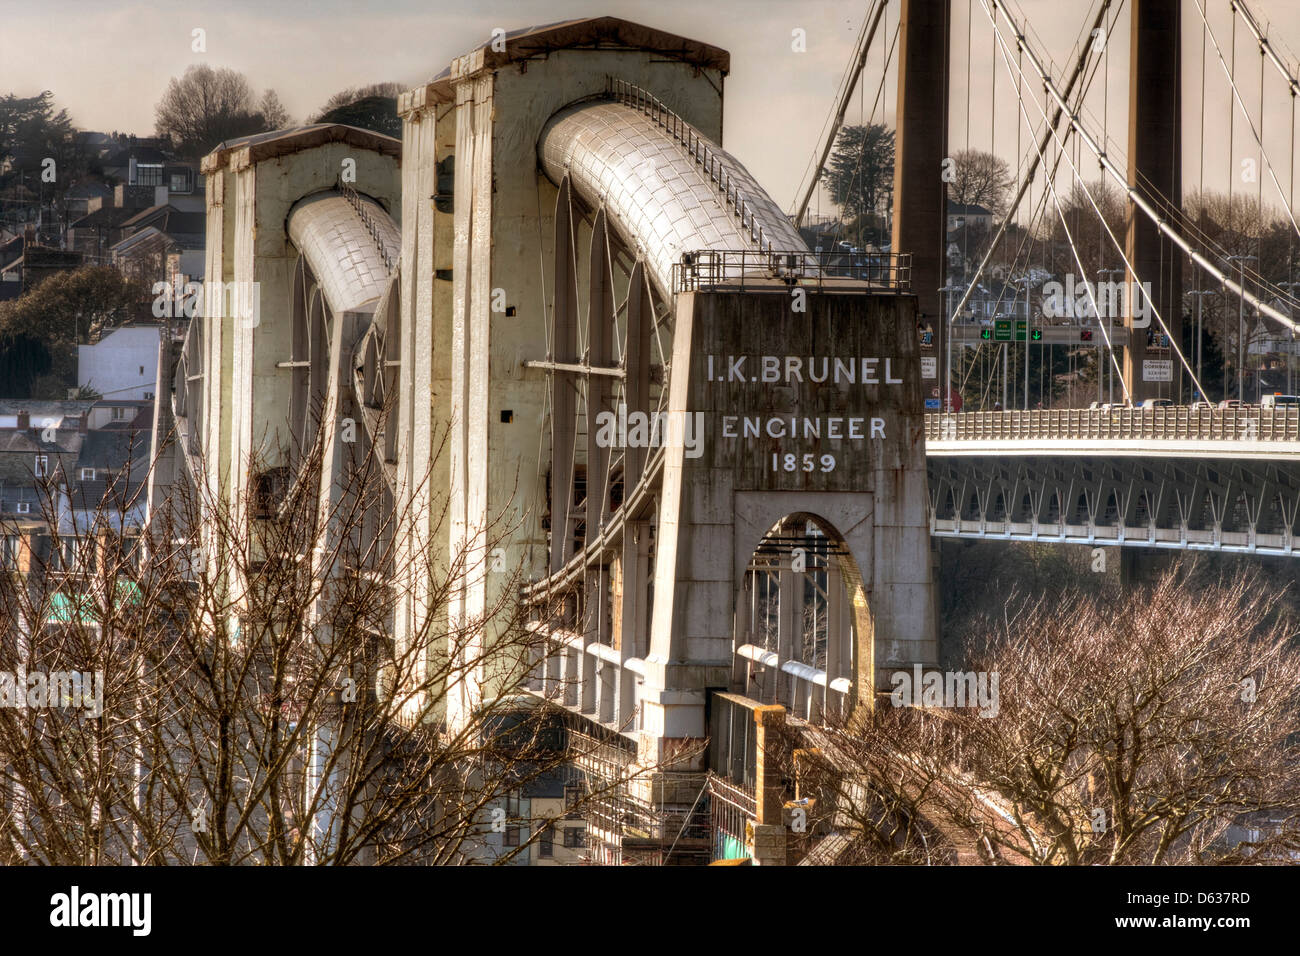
148, 395
511, 837
23, 507
148, 175
180, 182
42, 467
141, 369
575, 837
9, 551
119, 413
88, 474
572, 799
546, 843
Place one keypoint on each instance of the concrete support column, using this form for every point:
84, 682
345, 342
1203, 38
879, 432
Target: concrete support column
789, 629
767, 836
1154, 158
920, 147
551, 675
633, 604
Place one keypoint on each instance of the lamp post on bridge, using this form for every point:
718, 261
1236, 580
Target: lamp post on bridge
1200, 300
948, 289
1291, 287
1241, 325
1110, 366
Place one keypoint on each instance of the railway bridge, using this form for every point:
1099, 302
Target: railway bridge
558, 305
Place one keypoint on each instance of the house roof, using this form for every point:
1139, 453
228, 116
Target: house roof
10, 252
967, 209
111, 450
112, 216
141, 154
89, 190
263, 146
44, 407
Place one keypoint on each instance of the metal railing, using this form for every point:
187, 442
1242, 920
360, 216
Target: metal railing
367, 220
697, 147
778, 271
1177, 423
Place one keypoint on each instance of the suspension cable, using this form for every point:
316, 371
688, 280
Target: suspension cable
1133, 194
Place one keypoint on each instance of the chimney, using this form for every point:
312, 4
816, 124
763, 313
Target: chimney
82, 422
24, 420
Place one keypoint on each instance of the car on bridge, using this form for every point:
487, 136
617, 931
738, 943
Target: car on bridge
1279, 401
1157, 403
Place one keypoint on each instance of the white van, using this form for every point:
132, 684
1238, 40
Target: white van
1279, 401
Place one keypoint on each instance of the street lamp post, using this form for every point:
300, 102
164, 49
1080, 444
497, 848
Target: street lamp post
946, 399
1110, 366
1241, 326
1290, 386
1200, 301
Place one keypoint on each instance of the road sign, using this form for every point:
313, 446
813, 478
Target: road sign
1157, 370
1036, 335
1085, 335
1002, 330
929, 367
986, 334
931, 404
1021, 326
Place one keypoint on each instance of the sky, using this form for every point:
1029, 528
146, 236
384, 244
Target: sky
108, 62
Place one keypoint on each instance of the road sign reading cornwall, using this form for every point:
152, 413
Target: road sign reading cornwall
1002, 330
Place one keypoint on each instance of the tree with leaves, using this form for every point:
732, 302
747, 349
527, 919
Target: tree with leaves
860, 172
41, 329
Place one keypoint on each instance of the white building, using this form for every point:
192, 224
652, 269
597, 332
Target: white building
121, 365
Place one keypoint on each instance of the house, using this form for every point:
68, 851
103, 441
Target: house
24, 263
53, 452
77, 200
105, 488
122, 365
153, 236
39, 443
968, 214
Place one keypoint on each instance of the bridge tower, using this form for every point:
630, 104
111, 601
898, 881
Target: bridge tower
1155, 156
920, 223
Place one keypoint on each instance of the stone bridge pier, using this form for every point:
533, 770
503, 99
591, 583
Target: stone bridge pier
788, 403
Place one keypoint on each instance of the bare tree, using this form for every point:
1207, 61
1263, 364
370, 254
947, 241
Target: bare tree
1145, 727
272, 111
980, 178
206, 106
237, 696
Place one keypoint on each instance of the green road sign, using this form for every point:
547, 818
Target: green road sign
1002, 330
1021, 326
